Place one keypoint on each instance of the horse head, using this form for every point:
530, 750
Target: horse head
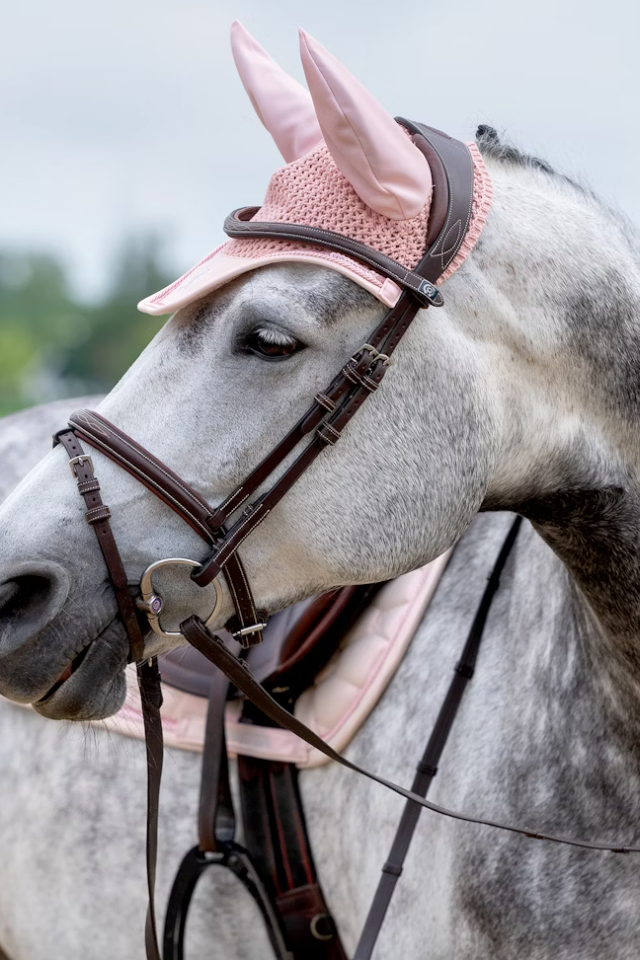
516, 389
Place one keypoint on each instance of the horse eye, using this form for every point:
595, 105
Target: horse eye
271, 344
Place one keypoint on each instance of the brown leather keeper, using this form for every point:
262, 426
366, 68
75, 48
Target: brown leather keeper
88, 486
96, 514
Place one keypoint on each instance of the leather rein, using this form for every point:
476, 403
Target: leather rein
225, 527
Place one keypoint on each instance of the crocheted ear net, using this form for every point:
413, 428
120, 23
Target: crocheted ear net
312, 191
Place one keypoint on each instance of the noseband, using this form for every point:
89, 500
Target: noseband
224, 528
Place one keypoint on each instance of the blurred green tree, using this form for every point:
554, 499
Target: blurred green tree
52, 345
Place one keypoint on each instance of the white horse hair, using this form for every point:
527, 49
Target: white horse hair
521, 393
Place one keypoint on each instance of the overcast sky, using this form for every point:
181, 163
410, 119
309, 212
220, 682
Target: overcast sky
128, 116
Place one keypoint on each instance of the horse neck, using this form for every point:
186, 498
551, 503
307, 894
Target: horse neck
595, 535
570, 454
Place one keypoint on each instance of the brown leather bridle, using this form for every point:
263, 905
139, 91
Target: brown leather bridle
224, 528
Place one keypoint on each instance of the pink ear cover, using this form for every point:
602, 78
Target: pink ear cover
384, 167
313, 191
282, 104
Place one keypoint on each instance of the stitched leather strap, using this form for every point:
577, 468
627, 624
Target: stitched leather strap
148, 674
276, 836
239, 225
453, 178
97, 516
455, 159
182, 499
360, 377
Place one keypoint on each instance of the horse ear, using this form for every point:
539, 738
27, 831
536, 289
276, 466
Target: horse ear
381, 163
283, 105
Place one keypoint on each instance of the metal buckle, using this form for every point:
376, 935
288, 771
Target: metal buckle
152, 604
79, 461
375, 354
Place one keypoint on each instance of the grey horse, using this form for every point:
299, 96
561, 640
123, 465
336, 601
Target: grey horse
520, 394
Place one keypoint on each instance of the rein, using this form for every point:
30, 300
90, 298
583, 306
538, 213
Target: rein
224, 532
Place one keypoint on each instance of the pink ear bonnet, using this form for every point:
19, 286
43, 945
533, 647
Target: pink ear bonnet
350, 168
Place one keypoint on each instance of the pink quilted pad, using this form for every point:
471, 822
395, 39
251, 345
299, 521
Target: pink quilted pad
335, 707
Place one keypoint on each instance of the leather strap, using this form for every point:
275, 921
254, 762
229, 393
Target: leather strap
148, 675
216, 818
276, 836
239, 674
455, 159
97, 516
359, 378
428, 766
239, 225
453, 176
151, 700
183, 500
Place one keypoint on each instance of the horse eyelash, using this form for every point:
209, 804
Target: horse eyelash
276, 337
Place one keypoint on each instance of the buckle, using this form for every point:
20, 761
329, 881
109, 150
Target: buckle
79, 461
375, 354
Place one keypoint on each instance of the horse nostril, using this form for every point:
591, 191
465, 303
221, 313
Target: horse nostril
31, 596
7, 593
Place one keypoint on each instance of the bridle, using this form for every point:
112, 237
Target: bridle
224, 528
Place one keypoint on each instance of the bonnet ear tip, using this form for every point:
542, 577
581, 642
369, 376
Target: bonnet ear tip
306, 40
238, 34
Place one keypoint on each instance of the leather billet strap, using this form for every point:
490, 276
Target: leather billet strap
276, 836
240, 675
148, 675
97, 516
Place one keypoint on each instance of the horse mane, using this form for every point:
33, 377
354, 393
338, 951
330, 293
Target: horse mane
492, 146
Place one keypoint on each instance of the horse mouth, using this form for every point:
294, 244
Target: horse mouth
92, 686
66, 673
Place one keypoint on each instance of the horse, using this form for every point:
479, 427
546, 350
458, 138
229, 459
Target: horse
520, 394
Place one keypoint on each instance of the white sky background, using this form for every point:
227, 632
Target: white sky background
124, 117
